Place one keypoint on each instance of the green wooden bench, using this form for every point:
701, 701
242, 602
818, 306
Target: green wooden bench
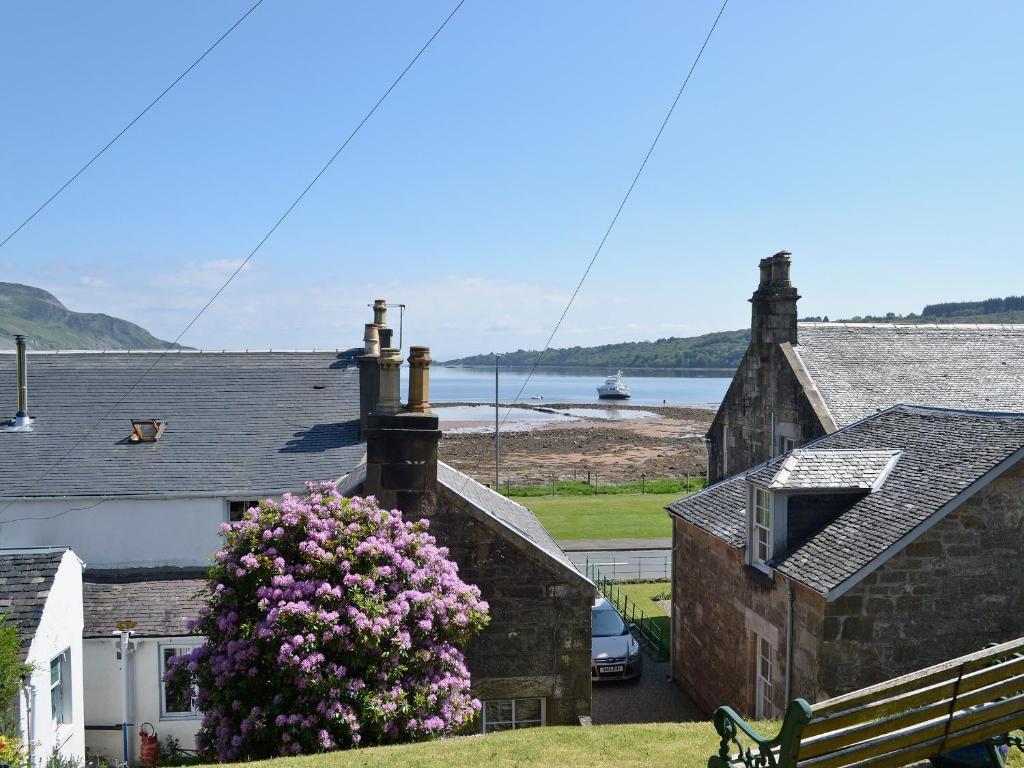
975, 699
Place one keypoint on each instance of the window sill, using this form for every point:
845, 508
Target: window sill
183, 716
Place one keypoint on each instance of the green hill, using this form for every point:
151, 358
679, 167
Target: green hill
712, 350
48, 324
725, 348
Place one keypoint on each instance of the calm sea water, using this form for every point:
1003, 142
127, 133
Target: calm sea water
476, 385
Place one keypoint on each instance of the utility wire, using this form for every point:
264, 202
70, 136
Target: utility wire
134, 120
615, 218
241, 266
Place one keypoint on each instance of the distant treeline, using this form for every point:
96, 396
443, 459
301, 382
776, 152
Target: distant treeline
986, 307
723, 349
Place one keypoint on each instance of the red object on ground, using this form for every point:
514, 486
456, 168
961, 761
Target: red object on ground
149, 750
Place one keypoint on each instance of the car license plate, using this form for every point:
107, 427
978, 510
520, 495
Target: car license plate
610, 670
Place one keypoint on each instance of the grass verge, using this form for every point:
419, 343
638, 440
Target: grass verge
679, 486
637, 516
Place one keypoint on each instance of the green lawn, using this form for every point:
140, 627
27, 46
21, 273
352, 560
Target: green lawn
643, 594
668, 745
615, 746
621, 516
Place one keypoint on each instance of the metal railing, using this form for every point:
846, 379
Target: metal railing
651, 631
634, 567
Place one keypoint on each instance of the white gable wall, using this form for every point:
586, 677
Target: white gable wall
103, 685
121, 533
60, 629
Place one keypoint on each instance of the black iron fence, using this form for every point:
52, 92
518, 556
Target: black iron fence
652, 629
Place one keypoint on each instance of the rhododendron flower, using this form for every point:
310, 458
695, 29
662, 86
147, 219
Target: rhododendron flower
346, 632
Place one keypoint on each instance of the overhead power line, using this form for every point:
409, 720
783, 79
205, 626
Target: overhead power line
615, 218
133, 121
247, 259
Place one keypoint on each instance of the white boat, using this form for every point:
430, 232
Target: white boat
613, 388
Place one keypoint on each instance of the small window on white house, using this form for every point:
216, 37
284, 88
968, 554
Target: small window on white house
176, 700
762, 529
765, 656
511, 714
60, 688
237, 509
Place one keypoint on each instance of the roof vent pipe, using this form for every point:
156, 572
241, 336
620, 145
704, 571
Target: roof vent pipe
21, 421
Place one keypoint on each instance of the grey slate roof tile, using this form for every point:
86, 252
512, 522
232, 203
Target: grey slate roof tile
818, 469
860, 369
942, 453
160, 600
253, 423
25, 582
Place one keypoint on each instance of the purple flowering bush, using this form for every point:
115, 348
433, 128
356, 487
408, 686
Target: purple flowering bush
330, 623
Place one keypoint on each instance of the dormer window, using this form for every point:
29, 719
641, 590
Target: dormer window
762, 528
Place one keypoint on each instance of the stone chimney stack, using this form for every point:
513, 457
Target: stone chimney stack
773, 315
369, 376
401, 445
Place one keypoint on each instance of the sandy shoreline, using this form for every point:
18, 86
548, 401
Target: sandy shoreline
670, 444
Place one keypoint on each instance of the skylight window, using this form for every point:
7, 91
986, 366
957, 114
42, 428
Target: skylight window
146, 430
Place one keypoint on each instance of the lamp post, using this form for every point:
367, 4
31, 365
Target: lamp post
497, 425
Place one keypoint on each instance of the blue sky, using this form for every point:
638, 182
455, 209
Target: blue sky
877, 141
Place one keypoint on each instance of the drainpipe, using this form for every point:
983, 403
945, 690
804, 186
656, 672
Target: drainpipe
125, 646
789, 639
672, 603
30, 732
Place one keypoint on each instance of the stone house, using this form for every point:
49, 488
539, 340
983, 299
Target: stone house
531, 665
41, 596
887, 545
798, 381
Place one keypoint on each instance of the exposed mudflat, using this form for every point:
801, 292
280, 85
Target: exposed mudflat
667, 442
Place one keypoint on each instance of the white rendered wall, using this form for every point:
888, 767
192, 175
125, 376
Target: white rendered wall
103, 697
121, 534
60, 628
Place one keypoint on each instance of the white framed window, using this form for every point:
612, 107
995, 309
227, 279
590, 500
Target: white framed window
60, 688
761, 532
238, 508
764, 709
786, 444
176, 700
511, 714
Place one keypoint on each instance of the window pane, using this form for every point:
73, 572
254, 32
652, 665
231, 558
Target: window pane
527, 710
177, 695
55, 671
498, 712
495, 727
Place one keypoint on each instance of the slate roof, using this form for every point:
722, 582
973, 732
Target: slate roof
512, 516
160, 600
25, 580
812, 469
236, 422
943, 452
860, 369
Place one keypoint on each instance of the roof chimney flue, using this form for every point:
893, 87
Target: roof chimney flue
21, 421
774, 312
380, 319
419, 380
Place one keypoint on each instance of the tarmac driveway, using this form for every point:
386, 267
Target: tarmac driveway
651, 699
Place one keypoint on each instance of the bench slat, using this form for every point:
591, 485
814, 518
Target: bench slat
910, 755
898, 713
906, 700
1011, 709
915, 680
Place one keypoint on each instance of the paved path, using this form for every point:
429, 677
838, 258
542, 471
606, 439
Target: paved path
652, 699
626, 565
633, 545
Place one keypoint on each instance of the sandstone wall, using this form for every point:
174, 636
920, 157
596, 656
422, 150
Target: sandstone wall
718, 608
764, 401
538, 641
956, 588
